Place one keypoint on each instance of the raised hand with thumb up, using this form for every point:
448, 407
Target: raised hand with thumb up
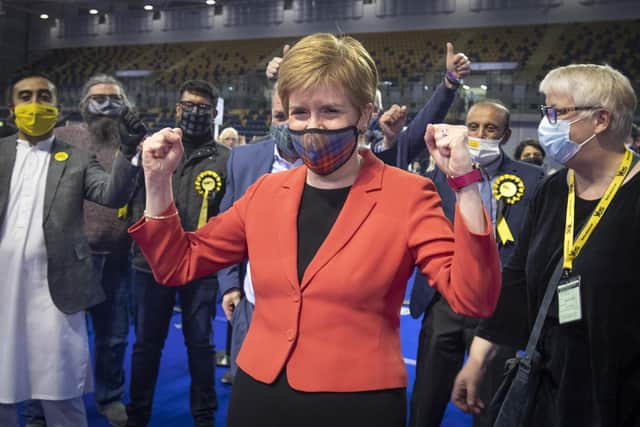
458, 66
274, 64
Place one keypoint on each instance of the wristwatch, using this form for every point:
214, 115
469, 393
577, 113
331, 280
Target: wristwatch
459, 182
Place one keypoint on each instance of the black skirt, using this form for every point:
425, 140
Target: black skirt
255, 404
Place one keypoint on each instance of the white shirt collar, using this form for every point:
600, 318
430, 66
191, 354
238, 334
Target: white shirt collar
44, 145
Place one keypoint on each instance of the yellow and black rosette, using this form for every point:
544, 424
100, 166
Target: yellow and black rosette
206, 182
509, 188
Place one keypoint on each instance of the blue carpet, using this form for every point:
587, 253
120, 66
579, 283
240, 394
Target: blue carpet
171, 403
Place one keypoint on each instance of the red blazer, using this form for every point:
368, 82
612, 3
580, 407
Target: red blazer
338, 330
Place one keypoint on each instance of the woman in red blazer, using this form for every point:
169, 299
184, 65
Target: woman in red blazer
331, 246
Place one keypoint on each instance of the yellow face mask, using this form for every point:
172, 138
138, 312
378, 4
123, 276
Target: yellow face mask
35, 119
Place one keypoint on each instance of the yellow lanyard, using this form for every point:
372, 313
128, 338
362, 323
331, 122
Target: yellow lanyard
571, 248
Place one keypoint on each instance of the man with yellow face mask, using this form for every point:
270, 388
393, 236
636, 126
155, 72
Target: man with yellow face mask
48, 273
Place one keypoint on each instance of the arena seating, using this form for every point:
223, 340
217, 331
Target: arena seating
403, 58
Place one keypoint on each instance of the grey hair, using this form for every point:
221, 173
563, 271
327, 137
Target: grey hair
96, 80
598, 86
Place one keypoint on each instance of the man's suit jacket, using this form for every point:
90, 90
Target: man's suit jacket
346, 309
246, 164
72, 281
514, 214
410, 142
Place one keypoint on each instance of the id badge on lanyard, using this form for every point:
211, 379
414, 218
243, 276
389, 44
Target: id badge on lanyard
569, 305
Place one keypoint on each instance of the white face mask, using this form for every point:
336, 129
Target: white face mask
556, 141
483, 151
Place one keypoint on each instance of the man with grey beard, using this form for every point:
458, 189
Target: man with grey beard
108, 121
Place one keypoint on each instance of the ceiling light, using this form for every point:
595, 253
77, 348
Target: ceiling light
93, 11
211, 2
44, 16
483, 87
148, 7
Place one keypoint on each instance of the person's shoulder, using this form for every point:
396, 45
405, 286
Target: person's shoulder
9, 139
222, 150
521, 167
256, 152
271, 182
551, 185
260, 144
261, 139
405, 182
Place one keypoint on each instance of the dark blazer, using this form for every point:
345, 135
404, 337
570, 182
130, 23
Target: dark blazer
514, 214
72, 281
410, 142
246, 164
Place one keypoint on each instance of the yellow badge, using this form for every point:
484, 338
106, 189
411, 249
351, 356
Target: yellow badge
61, 156
508, 187
207, 182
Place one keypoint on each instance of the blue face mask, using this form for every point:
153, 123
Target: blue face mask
324, 150
556, 141
281, 135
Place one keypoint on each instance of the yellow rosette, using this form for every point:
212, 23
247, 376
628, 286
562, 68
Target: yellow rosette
510, 189
206, 182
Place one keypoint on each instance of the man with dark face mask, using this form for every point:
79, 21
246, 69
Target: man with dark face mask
198, 186
108, 121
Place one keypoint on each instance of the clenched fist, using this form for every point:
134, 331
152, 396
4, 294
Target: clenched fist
447, 144
161, 153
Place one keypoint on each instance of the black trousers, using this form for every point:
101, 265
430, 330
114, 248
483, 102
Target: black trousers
444, 338
255, 404
154, 309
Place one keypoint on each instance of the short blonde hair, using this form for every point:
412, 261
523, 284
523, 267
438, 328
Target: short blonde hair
324, 59
597, 86
226, 133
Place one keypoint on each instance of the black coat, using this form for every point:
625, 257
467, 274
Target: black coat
207, 163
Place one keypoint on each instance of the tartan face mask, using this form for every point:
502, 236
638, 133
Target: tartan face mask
325, 150
283, 140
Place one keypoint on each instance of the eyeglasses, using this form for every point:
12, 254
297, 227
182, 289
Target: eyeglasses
101, 99
188, 105
552, 112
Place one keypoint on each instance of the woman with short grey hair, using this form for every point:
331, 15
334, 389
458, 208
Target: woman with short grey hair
589, 344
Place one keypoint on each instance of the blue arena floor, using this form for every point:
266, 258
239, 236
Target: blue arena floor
171, 403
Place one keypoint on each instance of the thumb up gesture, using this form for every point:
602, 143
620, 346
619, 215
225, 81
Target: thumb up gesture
274, 64
457, 63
